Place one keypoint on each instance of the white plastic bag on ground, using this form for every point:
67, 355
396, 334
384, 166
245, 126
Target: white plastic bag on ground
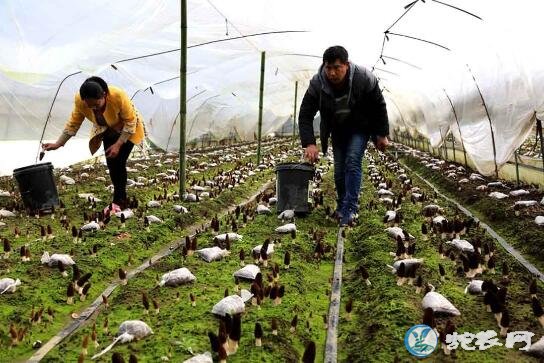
201, 358
286, 228
526, 203
519, 192
407, 262
67, 180
128, 331
54, 259
248, 272
393, 232
498, 195
231, 305
153, 219
539, 220
474, 287
461, 244
177, 277
92, 226
263, 209
439, 304
475, 177
4, 213
180, 209
232, 237
86, 195
127, 212
438, 220
269, 250
287, 214
390, 215
382, 192
8, 285
212, 253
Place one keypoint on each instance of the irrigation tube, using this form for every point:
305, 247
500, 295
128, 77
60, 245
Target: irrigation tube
511, 250
334, 307
93, 308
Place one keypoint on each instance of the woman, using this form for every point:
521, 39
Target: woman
116, 123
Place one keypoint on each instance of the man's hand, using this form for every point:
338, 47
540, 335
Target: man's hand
113, 150
382, 143
311, 153
50, 146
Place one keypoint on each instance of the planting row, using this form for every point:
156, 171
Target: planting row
516, 212
251, 286
53, 266
414, 258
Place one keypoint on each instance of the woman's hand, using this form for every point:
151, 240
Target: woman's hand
50, 146
381, 143
113, 150
311, 153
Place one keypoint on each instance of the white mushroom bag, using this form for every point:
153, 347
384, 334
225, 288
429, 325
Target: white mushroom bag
177, 277
205, 357
248, 272
232, 304
439, 304
393, 232
269, 250
212, 253
8, 285
286, 228
232, 237
54, 259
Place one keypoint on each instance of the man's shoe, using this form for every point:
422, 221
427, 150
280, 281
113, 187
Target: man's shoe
349, 220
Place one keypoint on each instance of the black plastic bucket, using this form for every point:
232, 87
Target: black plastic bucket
37, 187
292, 186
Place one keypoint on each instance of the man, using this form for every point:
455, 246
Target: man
352, 111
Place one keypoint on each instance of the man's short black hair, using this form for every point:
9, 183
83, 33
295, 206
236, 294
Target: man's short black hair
335, 52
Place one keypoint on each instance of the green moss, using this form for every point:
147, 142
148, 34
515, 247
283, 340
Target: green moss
43, 287
383, 312
180, 328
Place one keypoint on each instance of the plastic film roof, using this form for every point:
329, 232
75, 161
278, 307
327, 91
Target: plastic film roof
457, 53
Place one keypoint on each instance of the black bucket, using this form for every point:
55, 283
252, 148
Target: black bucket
37, 187
292, 186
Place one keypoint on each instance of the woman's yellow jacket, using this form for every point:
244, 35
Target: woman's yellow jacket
120, 115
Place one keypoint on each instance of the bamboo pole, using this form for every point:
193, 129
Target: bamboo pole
453, 146
182, 97
260, 125
539, 131
517, 167
295, 113
444, 144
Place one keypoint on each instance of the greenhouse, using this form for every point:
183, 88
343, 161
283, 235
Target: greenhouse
271, 181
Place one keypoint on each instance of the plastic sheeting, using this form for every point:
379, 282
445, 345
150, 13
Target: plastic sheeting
46, 41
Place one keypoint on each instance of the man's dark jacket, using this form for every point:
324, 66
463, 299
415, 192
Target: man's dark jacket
368, 111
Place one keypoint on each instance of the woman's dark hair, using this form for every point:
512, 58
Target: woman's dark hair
335, 52
93, 87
